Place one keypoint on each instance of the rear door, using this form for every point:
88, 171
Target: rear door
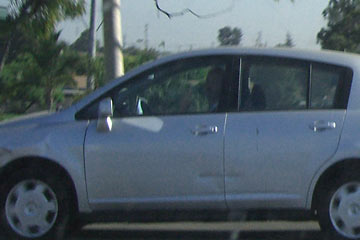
297, 110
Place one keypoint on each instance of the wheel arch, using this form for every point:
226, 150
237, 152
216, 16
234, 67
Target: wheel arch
46, 164
328, 177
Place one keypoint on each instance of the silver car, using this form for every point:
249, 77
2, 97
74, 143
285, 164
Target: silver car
195, 136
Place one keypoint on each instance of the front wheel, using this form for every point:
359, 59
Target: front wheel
339, 209
34, 206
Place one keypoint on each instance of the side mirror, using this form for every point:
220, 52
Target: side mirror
105, 113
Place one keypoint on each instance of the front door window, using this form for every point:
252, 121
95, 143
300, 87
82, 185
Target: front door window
183, 87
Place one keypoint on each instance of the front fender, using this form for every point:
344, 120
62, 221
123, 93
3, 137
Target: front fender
63, 143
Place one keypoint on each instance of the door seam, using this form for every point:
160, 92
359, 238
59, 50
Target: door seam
224, 171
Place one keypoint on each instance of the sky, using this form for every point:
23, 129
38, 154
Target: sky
302, 19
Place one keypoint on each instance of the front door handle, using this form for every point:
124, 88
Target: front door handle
320, 126
204, 130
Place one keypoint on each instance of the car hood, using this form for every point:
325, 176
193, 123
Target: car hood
37, 118
27, 119
30, 128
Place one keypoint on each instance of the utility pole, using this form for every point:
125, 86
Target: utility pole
114, 61
92, 43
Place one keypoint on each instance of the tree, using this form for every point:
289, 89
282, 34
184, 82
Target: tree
259, 41
342, 32
20, 84
134, 57
289, 43
37, 19
39, 75
81, 44
229, 37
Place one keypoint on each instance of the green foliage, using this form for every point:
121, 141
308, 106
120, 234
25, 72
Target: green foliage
182, 92
97, 69
41, 17
284, 86
31, 20
20, 84
39, 75
82, 43
7, 116
259, 42
343, 29
289, 43
229, 37
35, 66
134, 57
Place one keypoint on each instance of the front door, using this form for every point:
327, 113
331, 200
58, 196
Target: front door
165, 149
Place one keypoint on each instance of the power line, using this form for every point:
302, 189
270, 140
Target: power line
190, 11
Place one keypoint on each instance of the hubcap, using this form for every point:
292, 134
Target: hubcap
354, 209
345, 210
31, 208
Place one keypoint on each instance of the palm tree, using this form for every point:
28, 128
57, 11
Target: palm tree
37, 18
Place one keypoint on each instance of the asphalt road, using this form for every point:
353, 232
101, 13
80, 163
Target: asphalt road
202, 231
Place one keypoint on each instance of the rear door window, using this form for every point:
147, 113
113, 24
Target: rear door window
279, 84
330, 86
274, 84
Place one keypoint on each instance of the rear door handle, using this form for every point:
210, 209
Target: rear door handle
320, 126
204, 130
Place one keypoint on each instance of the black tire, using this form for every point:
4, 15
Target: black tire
34, 205
339, 208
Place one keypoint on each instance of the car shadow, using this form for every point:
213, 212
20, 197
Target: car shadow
196, 235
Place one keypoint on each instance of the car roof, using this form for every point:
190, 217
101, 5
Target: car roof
324, 56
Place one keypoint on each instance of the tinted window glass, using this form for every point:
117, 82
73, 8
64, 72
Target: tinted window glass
329, 87
186, 86
181, 92
272, 84
183, 87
